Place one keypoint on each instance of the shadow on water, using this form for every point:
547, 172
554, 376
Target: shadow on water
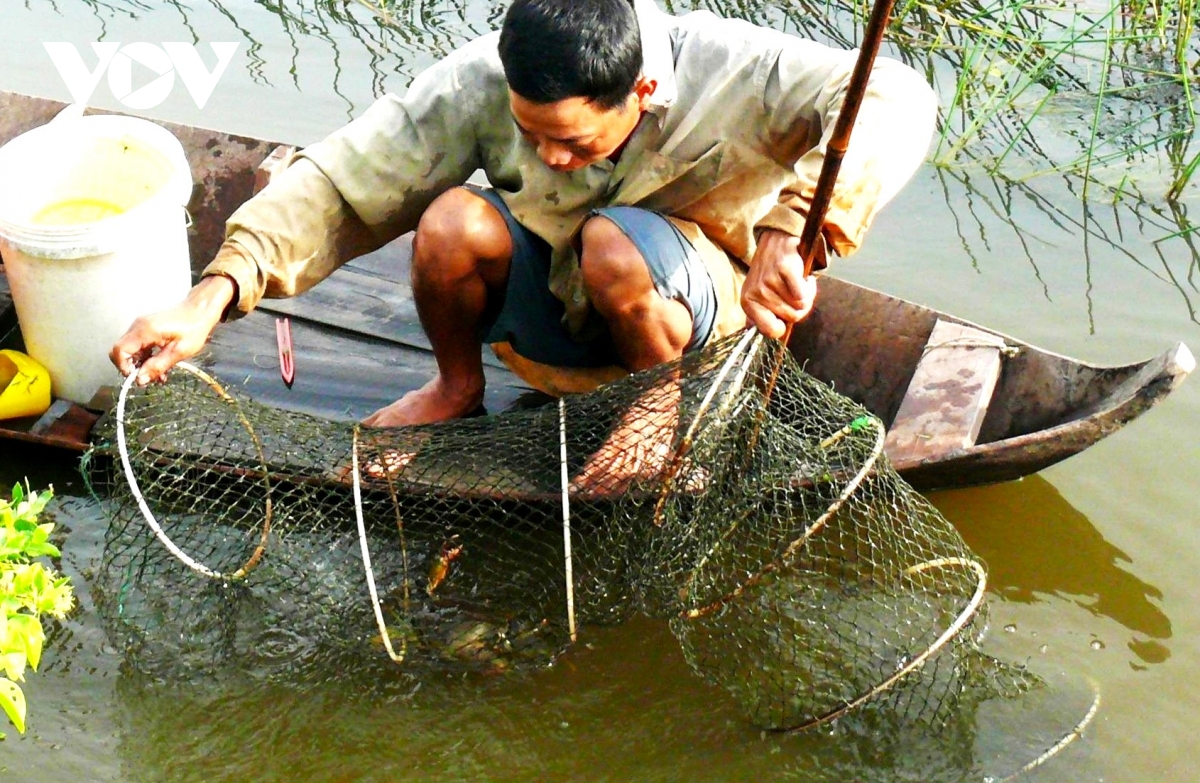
1022, 530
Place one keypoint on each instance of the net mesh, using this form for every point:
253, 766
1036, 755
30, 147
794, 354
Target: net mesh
729, 493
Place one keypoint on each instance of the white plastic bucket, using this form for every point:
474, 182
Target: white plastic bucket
93, 233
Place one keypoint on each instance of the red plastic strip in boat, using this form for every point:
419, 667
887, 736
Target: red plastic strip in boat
287, 359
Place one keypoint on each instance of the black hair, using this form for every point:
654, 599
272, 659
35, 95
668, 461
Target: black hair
557, 49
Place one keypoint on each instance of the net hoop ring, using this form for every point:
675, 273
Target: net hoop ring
1075, 733
964, 617
159, 533
810, 531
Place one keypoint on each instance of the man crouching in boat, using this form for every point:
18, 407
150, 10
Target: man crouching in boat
650, 176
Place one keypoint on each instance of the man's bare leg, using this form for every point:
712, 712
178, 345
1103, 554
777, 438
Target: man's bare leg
647, 330
461, 259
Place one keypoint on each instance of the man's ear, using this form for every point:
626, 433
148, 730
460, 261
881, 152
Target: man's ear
643, 89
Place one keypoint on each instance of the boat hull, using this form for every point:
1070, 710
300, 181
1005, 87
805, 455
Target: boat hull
1046, 407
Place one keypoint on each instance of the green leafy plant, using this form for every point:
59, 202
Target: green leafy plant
28, 591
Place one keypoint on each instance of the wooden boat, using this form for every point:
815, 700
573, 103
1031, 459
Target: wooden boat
1044, 408
976, 406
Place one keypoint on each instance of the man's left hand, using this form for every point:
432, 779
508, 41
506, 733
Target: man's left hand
776, 292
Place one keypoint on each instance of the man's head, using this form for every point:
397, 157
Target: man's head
574, 71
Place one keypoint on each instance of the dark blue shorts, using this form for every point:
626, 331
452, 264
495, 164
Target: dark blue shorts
531, 317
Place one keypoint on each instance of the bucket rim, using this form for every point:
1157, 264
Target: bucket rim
84, 240
102, 236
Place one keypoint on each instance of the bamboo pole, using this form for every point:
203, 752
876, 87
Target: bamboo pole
835, 151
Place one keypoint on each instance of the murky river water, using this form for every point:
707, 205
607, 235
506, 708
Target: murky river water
1094, 563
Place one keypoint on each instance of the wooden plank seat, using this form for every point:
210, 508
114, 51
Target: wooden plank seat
948, 396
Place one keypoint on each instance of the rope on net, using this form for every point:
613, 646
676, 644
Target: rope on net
809, 532
960, 622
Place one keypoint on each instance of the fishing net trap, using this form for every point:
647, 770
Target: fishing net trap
756, 514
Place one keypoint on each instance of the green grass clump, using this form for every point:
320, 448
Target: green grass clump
28, 591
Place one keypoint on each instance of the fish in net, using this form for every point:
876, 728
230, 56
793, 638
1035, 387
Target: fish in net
756, 515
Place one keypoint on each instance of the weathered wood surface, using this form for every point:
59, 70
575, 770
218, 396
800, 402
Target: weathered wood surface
64, 424
357, 343
1025, 453
1045, 407
367, 297
949, 394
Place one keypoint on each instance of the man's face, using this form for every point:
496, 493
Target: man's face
573, 133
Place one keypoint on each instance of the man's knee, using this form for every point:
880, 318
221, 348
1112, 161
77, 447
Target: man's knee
461, 233
647, 327
614, 272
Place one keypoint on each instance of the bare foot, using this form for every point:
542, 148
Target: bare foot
435, 401
390, 464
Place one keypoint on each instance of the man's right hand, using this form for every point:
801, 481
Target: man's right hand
776, 293
155, 343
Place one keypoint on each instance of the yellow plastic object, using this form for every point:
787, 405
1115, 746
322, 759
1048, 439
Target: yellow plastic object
25, 384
